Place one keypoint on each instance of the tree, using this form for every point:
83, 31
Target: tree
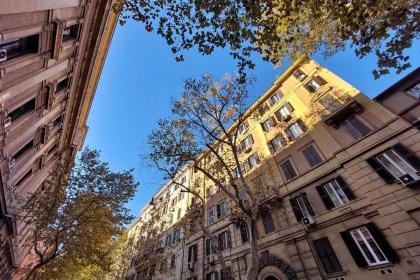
202, 132
278, 29
75, 216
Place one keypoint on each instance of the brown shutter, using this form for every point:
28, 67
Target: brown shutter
289, 107
58, 29
278, 116
320, 81
274, 120
271, 147
262, 126
289, 135
302, 125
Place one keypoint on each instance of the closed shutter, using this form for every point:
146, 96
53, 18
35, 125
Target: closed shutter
347, 191
410, 157
252, 138
278, 115
320, 81
382, 171
390, 254
325, 197
354, 250
296, 209
307, 204
327, 255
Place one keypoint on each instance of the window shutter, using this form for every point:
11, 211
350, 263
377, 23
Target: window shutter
216, 275
195, 252
243, 145
289, 135
282, 140
296, 209
229, 240
345, 188
307, 204
271, 147
301, 124
220, 241
278, 116
390, 254
263, 127
274, 120
252, 138
269, 102
410, 157
190, 256
354, 250
327, 255
218, 210
320, 81
208, 276
289, 107
208, 247
382, 172
58, 36
325, 197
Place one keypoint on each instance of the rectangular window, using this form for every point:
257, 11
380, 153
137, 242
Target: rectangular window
396, 163
178, 216
62, 85
274, 98
368, 246
269, 124
14, 48
221, 209
414, 91
299, 74
315, 83
210, 216
211, 275
288, 170
277, 143
327, 255
173, 261
70, 32
56, 122
311, 155
253, 160
335, 193
192, 253
209, 191
22, 110
301, 207
285, 110
23, 150
243, 127
52, 149
294, 131
268, 222
243, 227
356, 128
23, 178
224, 240
246, 144
226, 274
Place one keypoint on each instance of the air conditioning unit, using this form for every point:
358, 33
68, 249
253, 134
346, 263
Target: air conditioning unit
190, 265
7, 122
3, 54
211, 259
12, 162
406, 179
308, 221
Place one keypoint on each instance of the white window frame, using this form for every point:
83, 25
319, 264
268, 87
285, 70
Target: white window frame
274, 98
243, 127
295, 128
248, 142
411, 171
253, 160
278, 142
314, 84
222, 205
368, 246
210, 216
333, 189
224, 240
302, 206
268, 124
284, 112
414, 91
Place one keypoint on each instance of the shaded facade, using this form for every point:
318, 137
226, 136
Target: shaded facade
51, 56
343, 174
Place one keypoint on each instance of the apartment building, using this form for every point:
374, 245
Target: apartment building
343, 173
156, 237
51, 57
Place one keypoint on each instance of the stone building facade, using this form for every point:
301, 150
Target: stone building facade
343, 171
51, 56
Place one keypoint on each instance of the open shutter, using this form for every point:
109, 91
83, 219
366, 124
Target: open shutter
410, 157
347, 191
325, 197
243, 145
271, 147
208, 247
278, 115
190, 253
252, 138
289, 107
58, 37
382, 172
273, 119
220, 241
218, 210
289, 135
390, 254
296, 209
301, 125
354, 250
307, 204
263, 127
320, 81
282, 140
229, 240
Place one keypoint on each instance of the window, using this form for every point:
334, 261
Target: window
315, 83
52, 149
192, 253
209, 191
14, 48
221, 209
335, 193
62, 85
274, 98
210, 216
226, 274
311, 155
268, 222
224, 240
285, 111
299, 74
23, 150
22, 110
174, 201
253, 160
327, 255
414, 91
246, 144
23, 178
243, 127
269, 124
368, 246
243, 227
288, 170
168, 240
173, 261
301, 207
259, 182
70, 32
277, 143
397, 163
356, 128
209, 248
56, 122
178, 216
177, 234
295, 130
211, 275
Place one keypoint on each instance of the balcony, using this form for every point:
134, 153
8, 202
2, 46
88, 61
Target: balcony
339, 114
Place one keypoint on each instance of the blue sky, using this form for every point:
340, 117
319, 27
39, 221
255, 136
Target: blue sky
140, 77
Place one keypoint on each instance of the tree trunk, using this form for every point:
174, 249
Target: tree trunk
252, 272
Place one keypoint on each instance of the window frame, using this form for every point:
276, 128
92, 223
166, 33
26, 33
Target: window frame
286, 177
368, 246
316, 152
354, 121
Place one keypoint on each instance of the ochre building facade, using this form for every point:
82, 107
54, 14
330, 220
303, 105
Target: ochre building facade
344, 172
51, 56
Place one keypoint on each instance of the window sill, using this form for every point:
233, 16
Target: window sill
377, 266
335, 274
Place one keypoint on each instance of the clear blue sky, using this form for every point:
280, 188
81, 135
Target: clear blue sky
140, 77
